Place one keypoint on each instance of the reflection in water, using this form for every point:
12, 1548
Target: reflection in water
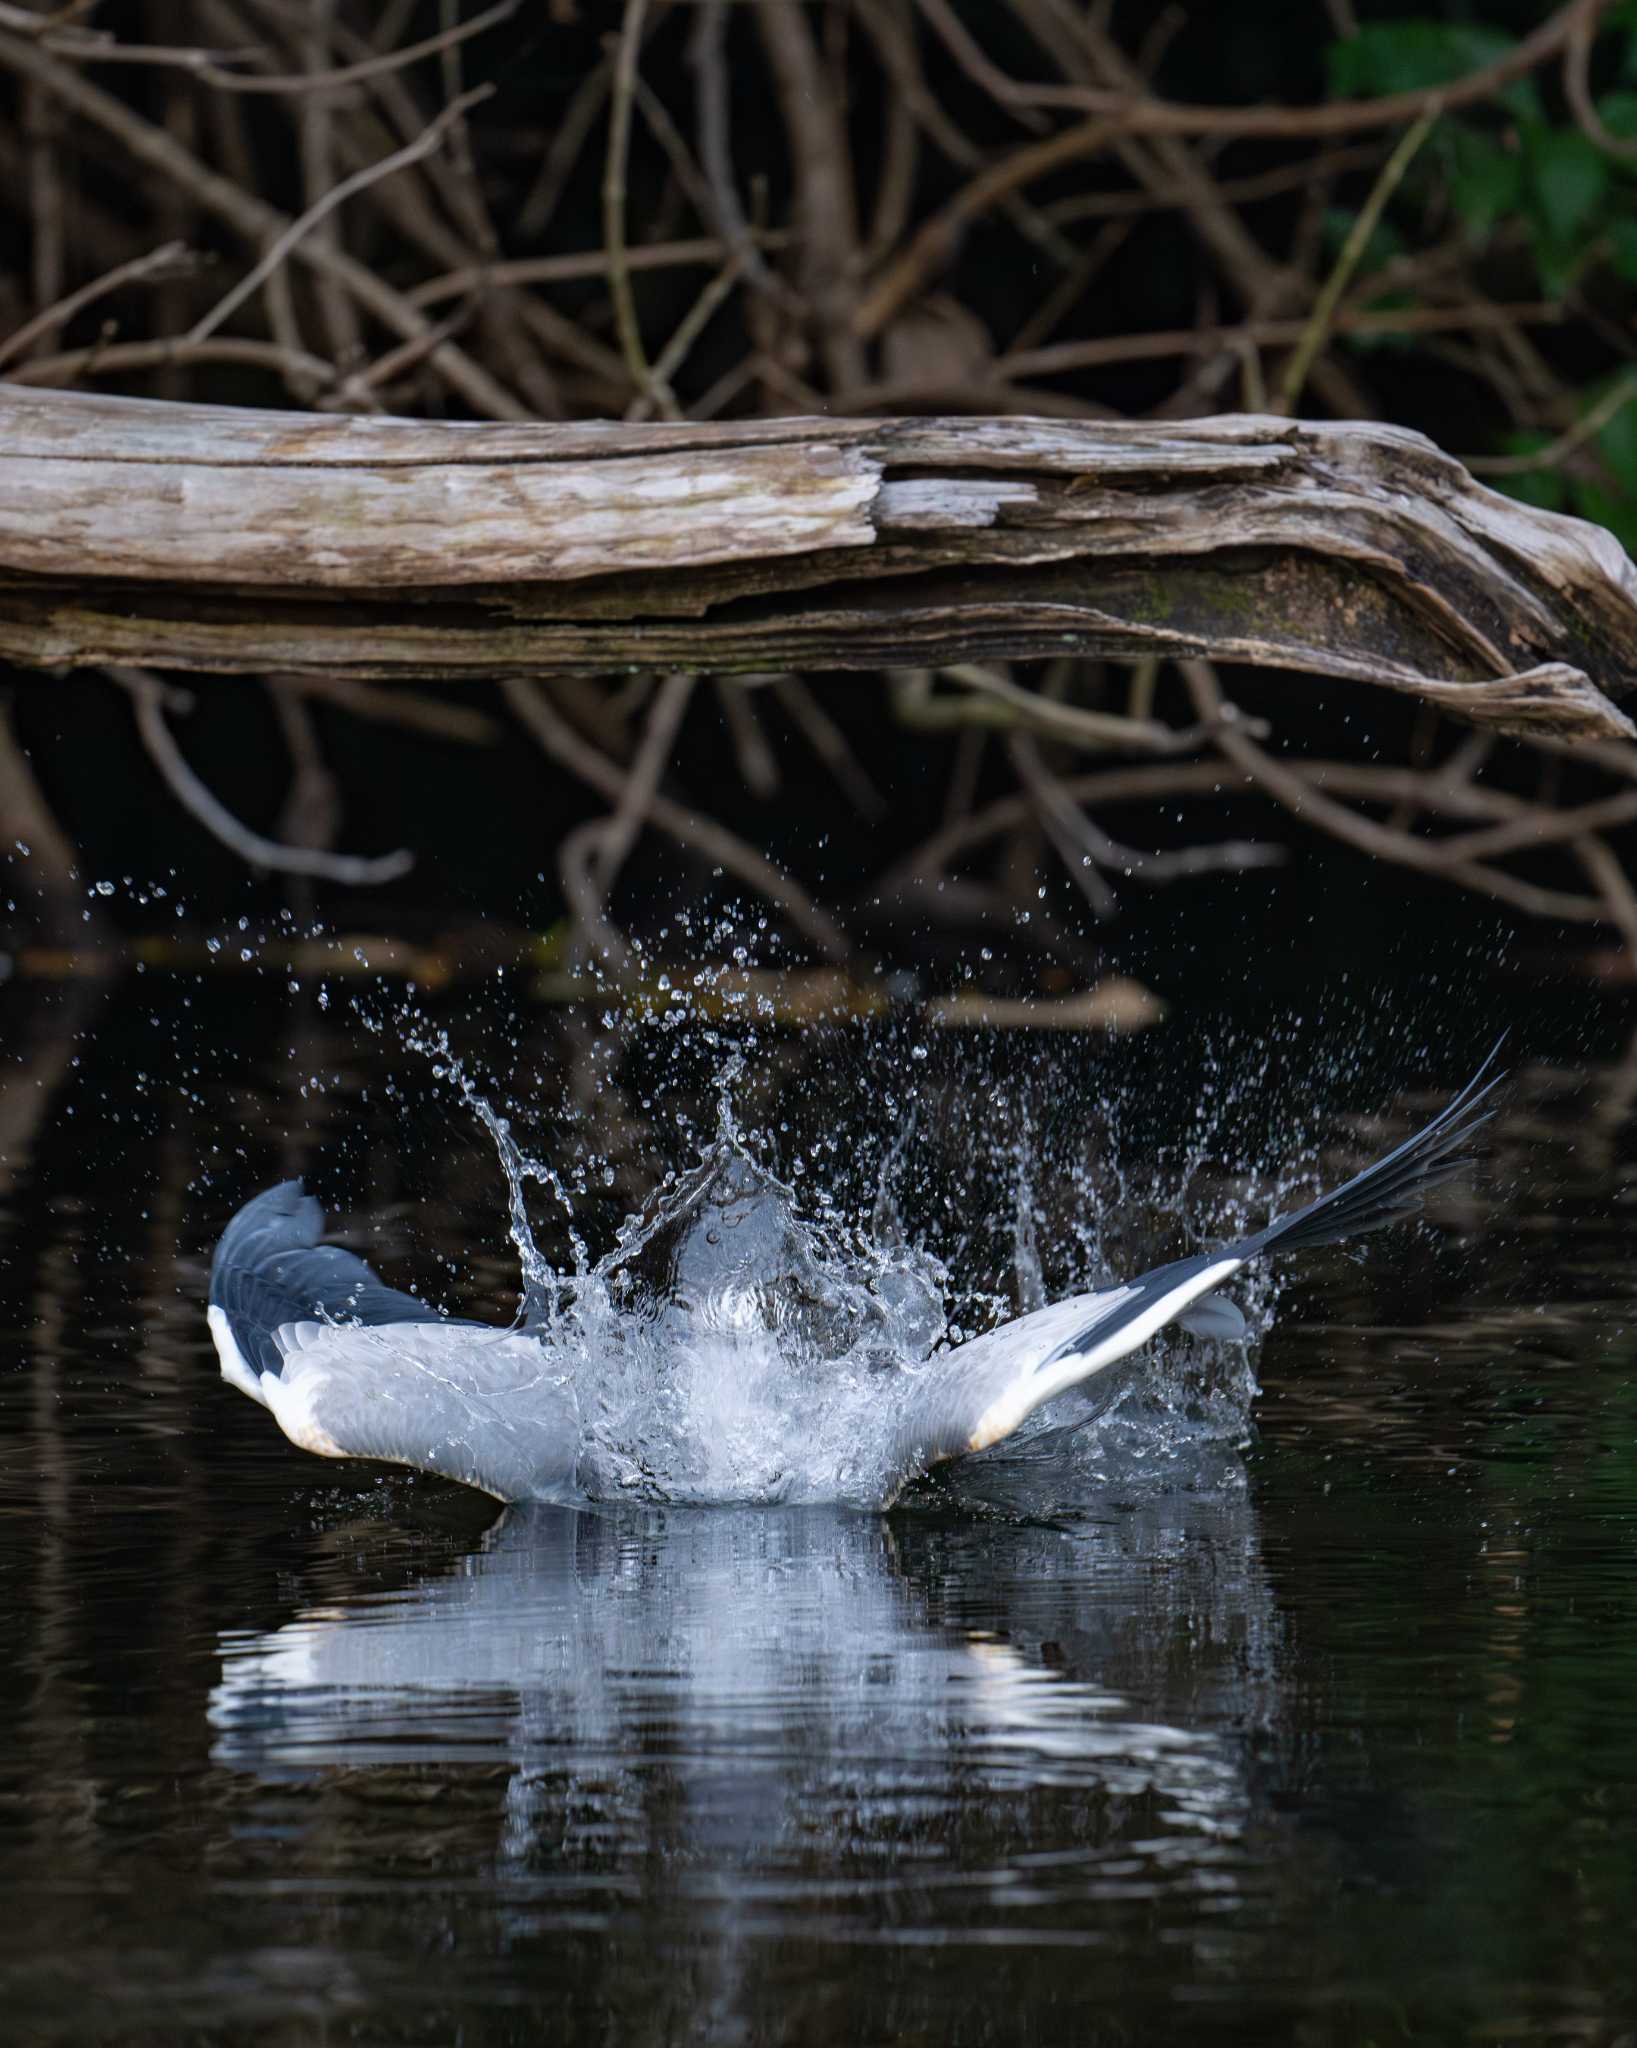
1338, 1747
801, 1681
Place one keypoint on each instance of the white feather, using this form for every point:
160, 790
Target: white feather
1034, 1387
235, 1366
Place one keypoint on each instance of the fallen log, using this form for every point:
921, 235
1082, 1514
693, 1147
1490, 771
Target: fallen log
208, 539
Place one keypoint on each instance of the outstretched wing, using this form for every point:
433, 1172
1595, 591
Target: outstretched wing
352, 1368
974, 1396
977, 1395
1394, 1187
491, 1408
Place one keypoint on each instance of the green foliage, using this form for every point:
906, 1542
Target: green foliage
1566, 177
1410, 56
1623, 248
1576, 199
1485, 180
1614, 505
1522, 159
1611, 502
1547, 487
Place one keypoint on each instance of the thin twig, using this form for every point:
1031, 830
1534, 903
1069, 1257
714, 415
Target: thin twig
1405, 849
559, 740
757, 763
711, 107
116, 358
688, 330
701, 250
825, 202
173, 260
1317, 331
619, 150
1192, 341
1070, 831
397, 706
591, 856
203, 805
1578, 92
652, 758
829, 742
412, 152
1117, 114
316, 122
97, 47
253, 218
1619, 394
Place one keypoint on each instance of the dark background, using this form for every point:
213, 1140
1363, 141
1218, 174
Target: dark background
485, 821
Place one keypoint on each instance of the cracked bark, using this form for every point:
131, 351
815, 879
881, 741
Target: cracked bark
206, 539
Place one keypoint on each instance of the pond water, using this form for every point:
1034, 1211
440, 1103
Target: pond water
1321, 1728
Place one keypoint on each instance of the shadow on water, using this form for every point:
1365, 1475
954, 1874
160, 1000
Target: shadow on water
1327, 1733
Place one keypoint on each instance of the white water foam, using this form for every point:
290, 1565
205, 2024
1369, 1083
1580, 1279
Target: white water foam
729, 1347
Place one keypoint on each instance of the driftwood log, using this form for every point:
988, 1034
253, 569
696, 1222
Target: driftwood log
206, 539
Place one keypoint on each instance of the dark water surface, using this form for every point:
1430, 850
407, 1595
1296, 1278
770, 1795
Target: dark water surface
1335, 1744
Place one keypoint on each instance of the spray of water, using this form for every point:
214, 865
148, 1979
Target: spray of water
751, 1331
736, 1342
860, 1203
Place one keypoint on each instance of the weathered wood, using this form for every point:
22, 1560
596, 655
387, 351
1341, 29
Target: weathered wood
200, 538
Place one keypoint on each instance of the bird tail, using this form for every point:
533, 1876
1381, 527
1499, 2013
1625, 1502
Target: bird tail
1393, 1187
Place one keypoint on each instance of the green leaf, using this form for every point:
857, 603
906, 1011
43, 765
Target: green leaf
1605, 508
1485, 181
1623, 248
1618, 113
1546, 489
1625, 16
1557, 267
1388, 339
1542, 488
1409, 56
1568, 175
1384, 243
1617, 439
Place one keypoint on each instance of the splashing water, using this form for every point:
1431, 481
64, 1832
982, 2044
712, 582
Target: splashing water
732, 1349
729, 1347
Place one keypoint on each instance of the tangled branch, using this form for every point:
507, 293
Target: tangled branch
390, 241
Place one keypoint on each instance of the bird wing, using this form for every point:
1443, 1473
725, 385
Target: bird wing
271, 1267
972, 1397
491, 1408
980, 1393
352, 1368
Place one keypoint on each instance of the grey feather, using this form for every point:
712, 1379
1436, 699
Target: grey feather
491, 1408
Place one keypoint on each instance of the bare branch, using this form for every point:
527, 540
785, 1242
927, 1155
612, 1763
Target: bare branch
558, 739
148, 703
423, 145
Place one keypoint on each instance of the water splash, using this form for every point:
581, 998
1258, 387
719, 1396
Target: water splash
729, 1348
734, 1345
545, 1292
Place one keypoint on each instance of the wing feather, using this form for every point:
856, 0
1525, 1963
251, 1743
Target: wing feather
976, 1395
491, 1409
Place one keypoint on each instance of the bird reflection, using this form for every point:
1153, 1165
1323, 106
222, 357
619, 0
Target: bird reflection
768, 1691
